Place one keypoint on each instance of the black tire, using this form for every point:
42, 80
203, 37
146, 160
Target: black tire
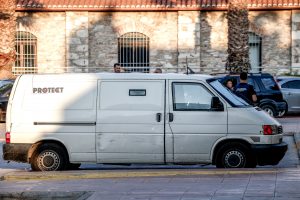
49, 157
73, 166
235, 155
282, 113
269, 109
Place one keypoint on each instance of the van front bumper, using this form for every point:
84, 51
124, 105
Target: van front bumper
16, 152
269, 154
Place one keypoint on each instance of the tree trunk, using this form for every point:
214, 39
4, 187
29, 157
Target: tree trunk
7, 37
238, 45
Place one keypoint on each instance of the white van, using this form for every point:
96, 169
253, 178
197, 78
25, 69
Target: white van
57, 122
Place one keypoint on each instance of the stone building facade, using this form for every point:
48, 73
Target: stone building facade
87, 41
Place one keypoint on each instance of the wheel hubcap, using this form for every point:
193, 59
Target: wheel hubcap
281, 113
269, 111
48, 161
234, 159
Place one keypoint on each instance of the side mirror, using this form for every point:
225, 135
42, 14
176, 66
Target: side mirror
216, 104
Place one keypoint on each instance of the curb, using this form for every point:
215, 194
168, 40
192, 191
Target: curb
297, 142
46, 195
101, 174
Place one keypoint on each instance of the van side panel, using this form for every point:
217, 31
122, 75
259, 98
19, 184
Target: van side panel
130, 122
60, 108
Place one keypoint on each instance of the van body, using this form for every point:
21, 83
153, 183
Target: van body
57, 122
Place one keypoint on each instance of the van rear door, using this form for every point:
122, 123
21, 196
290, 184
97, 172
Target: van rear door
130, 121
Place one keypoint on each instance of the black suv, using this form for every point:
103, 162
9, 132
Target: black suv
268, 93
5, 89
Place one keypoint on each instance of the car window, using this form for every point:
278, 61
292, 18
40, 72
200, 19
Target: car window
5, 89
294, 84
231, 98
254, 84
285, 85
191, 96
269, 83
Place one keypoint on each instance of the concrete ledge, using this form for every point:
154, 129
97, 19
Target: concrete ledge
297, 142
45, 195
103, 174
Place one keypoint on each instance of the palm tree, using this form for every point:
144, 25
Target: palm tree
7, 37
238, 47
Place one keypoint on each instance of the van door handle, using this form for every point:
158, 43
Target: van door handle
158, 117
171, 117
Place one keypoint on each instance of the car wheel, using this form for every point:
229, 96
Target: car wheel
269, 109
235, 155
49, 157
281, 113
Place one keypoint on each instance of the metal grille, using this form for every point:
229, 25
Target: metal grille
255, 52
133, 52
280, 130
26, 52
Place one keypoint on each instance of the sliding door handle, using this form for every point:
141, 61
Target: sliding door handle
171, 117
158, 117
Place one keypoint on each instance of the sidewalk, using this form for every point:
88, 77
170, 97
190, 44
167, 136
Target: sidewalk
283, 184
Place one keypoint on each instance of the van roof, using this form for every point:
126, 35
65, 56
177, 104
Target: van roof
127, 76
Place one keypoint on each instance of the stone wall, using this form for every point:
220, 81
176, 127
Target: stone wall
295, 68
188, 40
77, 41
272, 26
275, 29
213, 42
105, 28
49, 28
88, 41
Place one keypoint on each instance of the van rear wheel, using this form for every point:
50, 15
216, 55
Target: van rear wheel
49, 157
235, 155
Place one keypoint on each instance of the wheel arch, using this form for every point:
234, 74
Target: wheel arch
226, 141
36, 145
270, 102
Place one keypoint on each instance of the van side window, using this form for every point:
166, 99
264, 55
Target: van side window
190, 97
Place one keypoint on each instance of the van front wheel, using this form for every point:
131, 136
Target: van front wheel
234, 155
49, 157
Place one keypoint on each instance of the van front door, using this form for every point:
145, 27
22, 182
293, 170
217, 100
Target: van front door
194, 125
130, 121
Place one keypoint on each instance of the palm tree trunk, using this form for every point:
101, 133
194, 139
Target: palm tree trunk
238, 47
7, 37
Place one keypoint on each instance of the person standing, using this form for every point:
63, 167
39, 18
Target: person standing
246, 91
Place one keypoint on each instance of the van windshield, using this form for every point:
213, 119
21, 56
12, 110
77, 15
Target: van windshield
231, 98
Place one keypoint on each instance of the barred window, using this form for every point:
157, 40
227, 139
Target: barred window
255, 52
133, 52
26, 51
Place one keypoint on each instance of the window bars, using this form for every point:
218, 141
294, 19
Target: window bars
133, 52
26, 53
255, 43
